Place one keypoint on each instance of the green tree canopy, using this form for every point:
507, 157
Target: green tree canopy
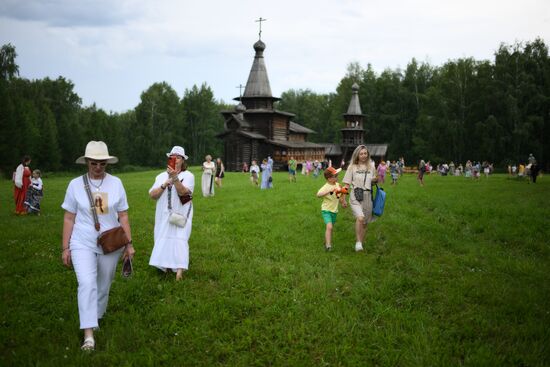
496, 110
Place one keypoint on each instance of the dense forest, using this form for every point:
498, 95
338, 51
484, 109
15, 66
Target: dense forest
496, 110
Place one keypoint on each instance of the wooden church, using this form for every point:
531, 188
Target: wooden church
256, 130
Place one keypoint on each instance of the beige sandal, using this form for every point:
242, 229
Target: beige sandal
88, 345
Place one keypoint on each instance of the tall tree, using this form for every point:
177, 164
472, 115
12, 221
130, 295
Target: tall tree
48, 146
158, 125
312, 111
65, 104
8, 67
202, 121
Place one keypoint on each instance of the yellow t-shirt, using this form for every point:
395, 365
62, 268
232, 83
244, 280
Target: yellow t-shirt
330, 201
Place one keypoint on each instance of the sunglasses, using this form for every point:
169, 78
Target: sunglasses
102, 164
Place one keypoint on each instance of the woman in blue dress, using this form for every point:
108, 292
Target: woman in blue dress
267, 169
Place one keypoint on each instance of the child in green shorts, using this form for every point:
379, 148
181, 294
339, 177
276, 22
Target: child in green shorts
331, 192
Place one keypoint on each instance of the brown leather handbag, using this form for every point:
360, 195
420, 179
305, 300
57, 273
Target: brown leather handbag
112, 239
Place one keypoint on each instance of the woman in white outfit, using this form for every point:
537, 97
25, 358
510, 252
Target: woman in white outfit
207, 181
94, 270
171, 250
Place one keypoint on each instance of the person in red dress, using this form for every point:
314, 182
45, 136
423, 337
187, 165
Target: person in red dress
22, 181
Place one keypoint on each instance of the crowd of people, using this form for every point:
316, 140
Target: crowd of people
475, 169
530, 170
95, 204
471, 169
215, 171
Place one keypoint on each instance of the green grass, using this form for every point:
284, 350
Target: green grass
455, 273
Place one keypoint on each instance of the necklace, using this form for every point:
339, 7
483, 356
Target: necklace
97, 187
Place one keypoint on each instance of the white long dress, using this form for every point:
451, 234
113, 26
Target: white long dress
171, 249
207, 181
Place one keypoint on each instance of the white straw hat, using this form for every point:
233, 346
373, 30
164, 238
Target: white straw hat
177, 150
97, 150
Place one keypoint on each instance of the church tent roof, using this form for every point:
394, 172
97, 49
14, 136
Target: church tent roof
258, 82
354, 105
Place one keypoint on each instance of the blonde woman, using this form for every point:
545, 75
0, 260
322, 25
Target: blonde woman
208, 170
360, 176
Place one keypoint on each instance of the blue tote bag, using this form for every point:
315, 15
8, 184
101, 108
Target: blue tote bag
378, 201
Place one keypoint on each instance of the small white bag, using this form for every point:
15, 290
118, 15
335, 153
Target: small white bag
177, 219
174, 218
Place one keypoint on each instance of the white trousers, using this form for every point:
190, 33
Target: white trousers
94, 273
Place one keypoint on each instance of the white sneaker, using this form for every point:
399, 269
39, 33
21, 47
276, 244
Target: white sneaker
358, 246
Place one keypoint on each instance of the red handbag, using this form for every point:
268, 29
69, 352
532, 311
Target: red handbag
184, 199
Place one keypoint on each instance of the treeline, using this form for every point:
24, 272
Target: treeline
465, 109
46, 120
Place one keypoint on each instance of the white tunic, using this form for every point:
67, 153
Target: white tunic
171, 249
209, 168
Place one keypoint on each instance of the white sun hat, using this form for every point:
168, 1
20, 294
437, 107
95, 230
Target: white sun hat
97, 150
177, 150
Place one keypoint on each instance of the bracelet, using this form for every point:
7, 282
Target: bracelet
65, 248
162, 187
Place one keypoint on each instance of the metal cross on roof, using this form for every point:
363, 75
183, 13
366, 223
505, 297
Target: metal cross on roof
260, 21
240, 86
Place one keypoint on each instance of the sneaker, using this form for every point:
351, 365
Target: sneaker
358, 246
328, 248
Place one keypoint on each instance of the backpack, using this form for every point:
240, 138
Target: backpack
378, 201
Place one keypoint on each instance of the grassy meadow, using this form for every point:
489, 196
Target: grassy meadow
455, 273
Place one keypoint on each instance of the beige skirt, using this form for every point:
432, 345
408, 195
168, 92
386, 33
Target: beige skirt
363, 208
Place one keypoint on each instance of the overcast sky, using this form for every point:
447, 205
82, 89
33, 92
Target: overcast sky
114, 50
